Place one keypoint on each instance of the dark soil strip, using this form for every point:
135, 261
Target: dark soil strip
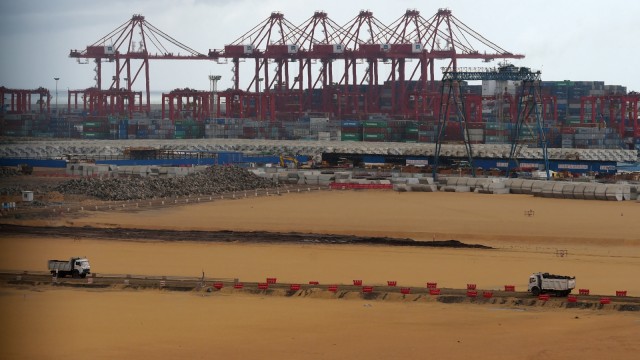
224, 236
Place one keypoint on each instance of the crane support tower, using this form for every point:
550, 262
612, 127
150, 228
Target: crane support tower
529, 110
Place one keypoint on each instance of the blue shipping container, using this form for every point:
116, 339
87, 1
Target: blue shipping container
350, 123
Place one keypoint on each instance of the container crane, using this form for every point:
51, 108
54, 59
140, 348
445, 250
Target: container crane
135, 41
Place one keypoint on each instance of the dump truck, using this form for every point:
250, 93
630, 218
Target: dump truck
541, 283
77, 267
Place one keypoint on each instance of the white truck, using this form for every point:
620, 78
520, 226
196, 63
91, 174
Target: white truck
540, 283
77, 267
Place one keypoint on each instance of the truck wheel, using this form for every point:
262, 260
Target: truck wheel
83, 275
75, 274
535, 291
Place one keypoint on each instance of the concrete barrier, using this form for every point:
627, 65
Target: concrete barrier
601, 192
422, 188
626, 193
589, 192
614, 192
557, 189
426, 180
537, 186
546, 190
567, 191
516, 186
400, 187
472, 183
578, 191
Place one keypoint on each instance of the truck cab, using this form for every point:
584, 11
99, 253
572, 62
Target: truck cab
82, 266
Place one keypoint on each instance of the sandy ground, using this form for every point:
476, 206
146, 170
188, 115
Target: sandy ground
603, 240
58, 324
462, 216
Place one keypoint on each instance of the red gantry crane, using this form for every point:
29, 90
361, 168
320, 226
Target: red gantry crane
363, 42
273, 41
131, 46
20, 101
618, 111
350, 61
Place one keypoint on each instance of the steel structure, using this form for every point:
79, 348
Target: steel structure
187, 103
131, 46
614, 111
529, 99
18, 101
360, 49
105, 102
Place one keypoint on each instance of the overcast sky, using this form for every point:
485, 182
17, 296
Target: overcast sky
567, 40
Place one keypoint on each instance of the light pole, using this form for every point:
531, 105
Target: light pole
259, 99
214, 84
56, 79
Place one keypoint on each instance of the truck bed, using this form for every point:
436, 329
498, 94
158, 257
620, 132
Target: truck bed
558, 284
60, 265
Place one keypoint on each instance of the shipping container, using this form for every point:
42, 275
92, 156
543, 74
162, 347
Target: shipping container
351, 137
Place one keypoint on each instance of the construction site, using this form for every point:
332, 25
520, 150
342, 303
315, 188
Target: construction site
354, 192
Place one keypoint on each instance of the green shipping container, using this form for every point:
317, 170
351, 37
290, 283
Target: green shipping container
94, 135
92, 124
350, 137
374, 136
374, 123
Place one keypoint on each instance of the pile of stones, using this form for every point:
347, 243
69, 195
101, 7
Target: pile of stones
213, 180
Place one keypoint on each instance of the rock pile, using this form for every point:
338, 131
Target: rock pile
213, 180
7, 171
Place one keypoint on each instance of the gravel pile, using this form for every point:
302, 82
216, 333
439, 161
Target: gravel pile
213, 180
6, 171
